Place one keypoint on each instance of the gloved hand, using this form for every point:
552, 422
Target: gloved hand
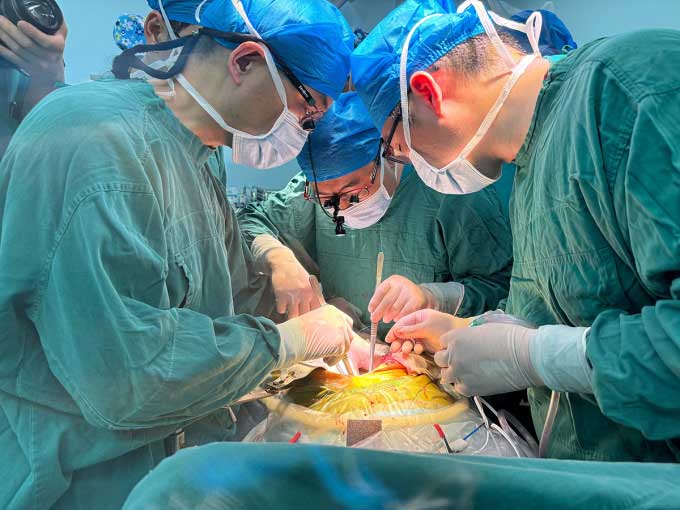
396, 297
488, 359
360, 353
499, 358
293, 293
323, 333
422, 331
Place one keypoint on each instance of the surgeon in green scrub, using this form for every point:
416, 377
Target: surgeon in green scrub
452, 253
595, 213
31, 66
167, 20
124, 277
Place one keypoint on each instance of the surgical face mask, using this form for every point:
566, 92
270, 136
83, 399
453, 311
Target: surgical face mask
370, 211
460, 176
161, 65
281, 144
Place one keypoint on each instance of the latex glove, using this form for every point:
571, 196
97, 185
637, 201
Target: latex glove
293, 293
422, 331
559, 355
396, 297
488, 359
323, 333
360, 353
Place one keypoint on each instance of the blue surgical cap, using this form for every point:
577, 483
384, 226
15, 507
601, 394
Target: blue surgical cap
184, 11
310, 36
375, 62
554, 34
344, 141
128, 31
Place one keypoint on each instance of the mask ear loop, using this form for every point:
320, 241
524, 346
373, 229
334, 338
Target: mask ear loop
273, 70
128, 59
490, 30
532, 28
517, 73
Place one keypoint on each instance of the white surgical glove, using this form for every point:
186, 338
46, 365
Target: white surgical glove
398, 296
422, 331
499, 358
293, 293
323, 333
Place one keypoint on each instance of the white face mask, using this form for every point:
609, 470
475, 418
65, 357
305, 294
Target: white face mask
460, 176
281, 144
370, 211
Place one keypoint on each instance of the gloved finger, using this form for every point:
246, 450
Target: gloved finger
315, 303
407, 346
293, 307
463, 389
402, 299
413, 325
448, 377
410, 332
390, 337
453, 335
304, 305
389, 299
281, 302
441, 358
395, 346
379, 295
412, 305
418, 348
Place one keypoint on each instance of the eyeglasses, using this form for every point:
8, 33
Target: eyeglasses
386, 150
332, 204
129, 59
342, 201
313, 114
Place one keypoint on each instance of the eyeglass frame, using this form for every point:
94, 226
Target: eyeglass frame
386, 154
334, 200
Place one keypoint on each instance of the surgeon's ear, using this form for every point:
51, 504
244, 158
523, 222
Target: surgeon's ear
428, 90
242, 59
154, 28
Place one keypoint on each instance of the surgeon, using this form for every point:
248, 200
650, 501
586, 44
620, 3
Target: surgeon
123, 276
167, 20
452, 253
594, 213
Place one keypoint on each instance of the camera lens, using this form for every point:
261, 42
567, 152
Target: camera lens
45, 15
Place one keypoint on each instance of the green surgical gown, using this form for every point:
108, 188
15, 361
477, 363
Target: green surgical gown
426, 237
123, 285
595, 215
237, 476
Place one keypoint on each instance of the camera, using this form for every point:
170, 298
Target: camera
45, 15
